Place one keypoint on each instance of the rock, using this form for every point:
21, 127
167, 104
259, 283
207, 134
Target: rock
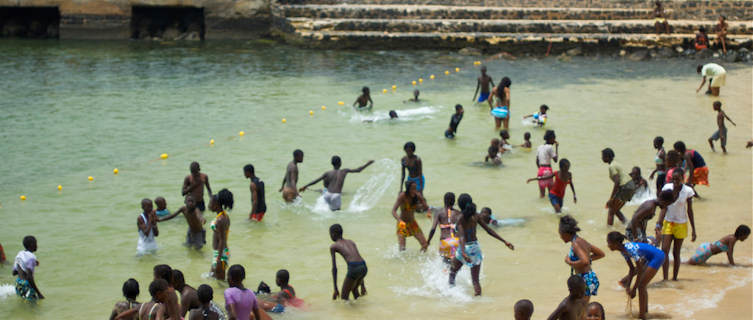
193, 36
623, 53
704, 54
639, 55
574, 52
743, 50
679, 49
666, 53
731, 56
689, 53
469, 51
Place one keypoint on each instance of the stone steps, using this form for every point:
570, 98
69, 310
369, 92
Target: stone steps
645, 4
365, 11
505, 26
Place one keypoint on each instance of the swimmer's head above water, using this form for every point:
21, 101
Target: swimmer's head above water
543, 108
298, 155
568, 228
607, 155
393, 114
282, 278
365, 91
449, 200
409, 148
336, 162
336, 232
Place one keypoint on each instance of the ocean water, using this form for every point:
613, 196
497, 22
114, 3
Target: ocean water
76, 109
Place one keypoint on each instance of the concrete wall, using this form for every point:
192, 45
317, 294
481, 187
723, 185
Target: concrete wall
110, 19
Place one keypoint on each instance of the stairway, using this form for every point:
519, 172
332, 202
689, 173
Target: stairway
485, 24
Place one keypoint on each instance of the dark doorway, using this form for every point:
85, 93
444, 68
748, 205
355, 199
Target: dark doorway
30, 22
167, 23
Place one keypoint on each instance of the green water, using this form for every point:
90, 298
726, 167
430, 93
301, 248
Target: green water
76, 109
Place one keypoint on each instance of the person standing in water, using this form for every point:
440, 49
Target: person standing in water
721, 132
501, 109
147, 227
622, 190
407, 225
563, 177
196, 235
23, 269
240, 302
221, 227
661, 169
189, 297
694, 165
206, 310
258, 205
357, 269
545, 154
155, 309
717, 77
446, 220
673, 221
647, 258
484, 82
413, 164
288, 188
130, 292
454, 122
581, 255
333, 182
194, 184
364, 101
469, 251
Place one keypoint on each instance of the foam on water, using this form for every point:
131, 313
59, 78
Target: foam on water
434, 282
6, 290
706, 298
402, 114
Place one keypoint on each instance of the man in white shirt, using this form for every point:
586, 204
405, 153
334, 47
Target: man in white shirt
717, 77
673, 221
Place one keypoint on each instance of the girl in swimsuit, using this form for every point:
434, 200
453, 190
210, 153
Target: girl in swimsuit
406, 223
661, 168
469, 251
130, 292
501, 110
581, 255
648, 260
154, 309
448, 242
725, 244
221, 227
413, 164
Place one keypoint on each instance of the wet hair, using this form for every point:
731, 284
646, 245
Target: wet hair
464, 200
449, 199
408, 184
673, 157
224, 199
742, 231
549, 135
336, 161
157, 286
178, 281
393, 114
659, 140
699, 68
666, 195
365, 90
568, 225
297, 153
236, 272
192, 165
29, 241
564, 162
505, 82
615, 237
717, 104
336, 230
525, 307
205, 293
131, 289
284, 276
469, 211
598, 305
607, 152
163, 271
575, 284
504, 133
680, 147
638, 169
249, 168
545, 107
527, 135
486, 210
458, 107
410, 145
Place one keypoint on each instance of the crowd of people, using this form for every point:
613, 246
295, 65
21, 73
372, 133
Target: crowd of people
678, 172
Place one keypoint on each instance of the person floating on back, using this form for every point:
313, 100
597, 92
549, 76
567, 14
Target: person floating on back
484, 82
725, 244
357, 269
23, 268
454, 122
333, 182
573, 307
721, 132
364, 102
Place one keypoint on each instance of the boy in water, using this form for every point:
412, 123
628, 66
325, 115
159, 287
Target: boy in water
285, 297
356, 265
539, 118
364, 100
721, 132
194, 184
288, 188
493, 153
523, 309
161, 207
196, 235
205, 311
258, 204
526, 141
622, 190
484, 82
573, 307
454, 122
333, 182
147, 228
23, 269
189, 297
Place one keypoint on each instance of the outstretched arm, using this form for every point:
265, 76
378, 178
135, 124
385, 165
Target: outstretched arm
359, 169
701, 86
312, 183
548, 176
691, 217
434, 224
730, 120
478, 85
179, 211
494, 234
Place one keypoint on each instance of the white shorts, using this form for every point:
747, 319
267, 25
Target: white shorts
334, 200
719, 81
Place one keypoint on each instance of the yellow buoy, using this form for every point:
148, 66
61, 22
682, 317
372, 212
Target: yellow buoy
60, 187
341, 103
211, 141
241, 133
384, 90
324, 108
413, 82
420, 80
446, 72
22, 197
115, 171
283, 120
457, 69
394, 87
90, 178
431, 77
163, 156
476, 62
311, 112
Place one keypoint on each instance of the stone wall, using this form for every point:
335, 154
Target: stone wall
111, 19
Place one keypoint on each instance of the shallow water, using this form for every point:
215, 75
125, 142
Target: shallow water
77, 109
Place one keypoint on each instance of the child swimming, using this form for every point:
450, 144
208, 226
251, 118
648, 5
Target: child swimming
563, 177
526, 141
161, 207
147, 228
454, 122
725, 244
648, 260
540, 117
357, 269
364, 101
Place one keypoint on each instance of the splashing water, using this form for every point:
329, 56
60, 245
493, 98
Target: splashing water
369, 193
434, 282
6, 290
641, 195
402, 115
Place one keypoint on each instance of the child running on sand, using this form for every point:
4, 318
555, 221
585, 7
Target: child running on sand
635, 231
364, 101
544, 156
469, 251
446, 220
147, 228
221, 228
195, 235
130, 292
595, 311
492, 153
23, 268
523, 309
454, 122
581, 255
725, 244
648, 259
161, 207
357, 269
407, 225
721, 132
573, 307
539, 118
526, 141
563, 177
484, 82
240, 302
